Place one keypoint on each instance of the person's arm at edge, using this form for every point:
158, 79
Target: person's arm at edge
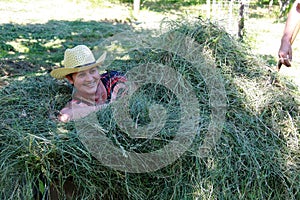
285, 50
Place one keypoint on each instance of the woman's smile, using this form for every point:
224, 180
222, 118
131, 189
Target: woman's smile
91, 84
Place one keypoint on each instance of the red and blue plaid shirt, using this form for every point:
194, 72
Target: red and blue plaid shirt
110, 80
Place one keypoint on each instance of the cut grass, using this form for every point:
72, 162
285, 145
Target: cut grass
257, 156
253, 159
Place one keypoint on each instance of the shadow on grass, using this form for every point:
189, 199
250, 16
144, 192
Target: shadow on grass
35, 48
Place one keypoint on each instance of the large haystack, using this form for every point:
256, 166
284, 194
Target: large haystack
256, 156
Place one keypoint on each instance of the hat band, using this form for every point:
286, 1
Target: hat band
85, 64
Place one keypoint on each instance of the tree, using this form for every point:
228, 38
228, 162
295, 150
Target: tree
136, 6
241, 24
284, 7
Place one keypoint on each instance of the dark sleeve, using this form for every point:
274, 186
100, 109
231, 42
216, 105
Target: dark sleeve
111, 79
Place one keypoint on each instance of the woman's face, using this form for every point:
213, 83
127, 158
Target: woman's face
86, 81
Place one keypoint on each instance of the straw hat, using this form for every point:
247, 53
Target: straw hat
77, 59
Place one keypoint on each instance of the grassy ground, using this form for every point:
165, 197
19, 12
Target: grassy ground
257, 156
264, 33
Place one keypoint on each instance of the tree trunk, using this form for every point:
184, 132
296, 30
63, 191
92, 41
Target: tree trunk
270, 5
208, 9
283, 5
241, 20
136, 6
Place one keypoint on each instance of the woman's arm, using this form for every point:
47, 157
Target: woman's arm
76, 111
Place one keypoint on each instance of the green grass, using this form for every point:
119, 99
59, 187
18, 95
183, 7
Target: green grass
43, 45
253, 159
256, 157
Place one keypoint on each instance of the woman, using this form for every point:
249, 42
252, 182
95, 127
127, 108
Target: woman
91, 91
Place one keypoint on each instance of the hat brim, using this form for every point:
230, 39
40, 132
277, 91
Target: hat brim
61, 73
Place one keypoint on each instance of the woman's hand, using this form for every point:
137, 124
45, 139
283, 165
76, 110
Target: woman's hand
119, 91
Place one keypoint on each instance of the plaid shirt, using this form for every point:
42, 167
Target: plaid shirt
110, 80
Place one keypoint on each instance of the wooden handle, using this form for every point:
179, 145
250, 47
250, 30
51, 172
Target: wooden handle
295, 32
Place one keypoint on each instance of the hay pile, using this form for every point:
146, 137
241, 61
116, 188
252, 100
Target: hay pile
256, 157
